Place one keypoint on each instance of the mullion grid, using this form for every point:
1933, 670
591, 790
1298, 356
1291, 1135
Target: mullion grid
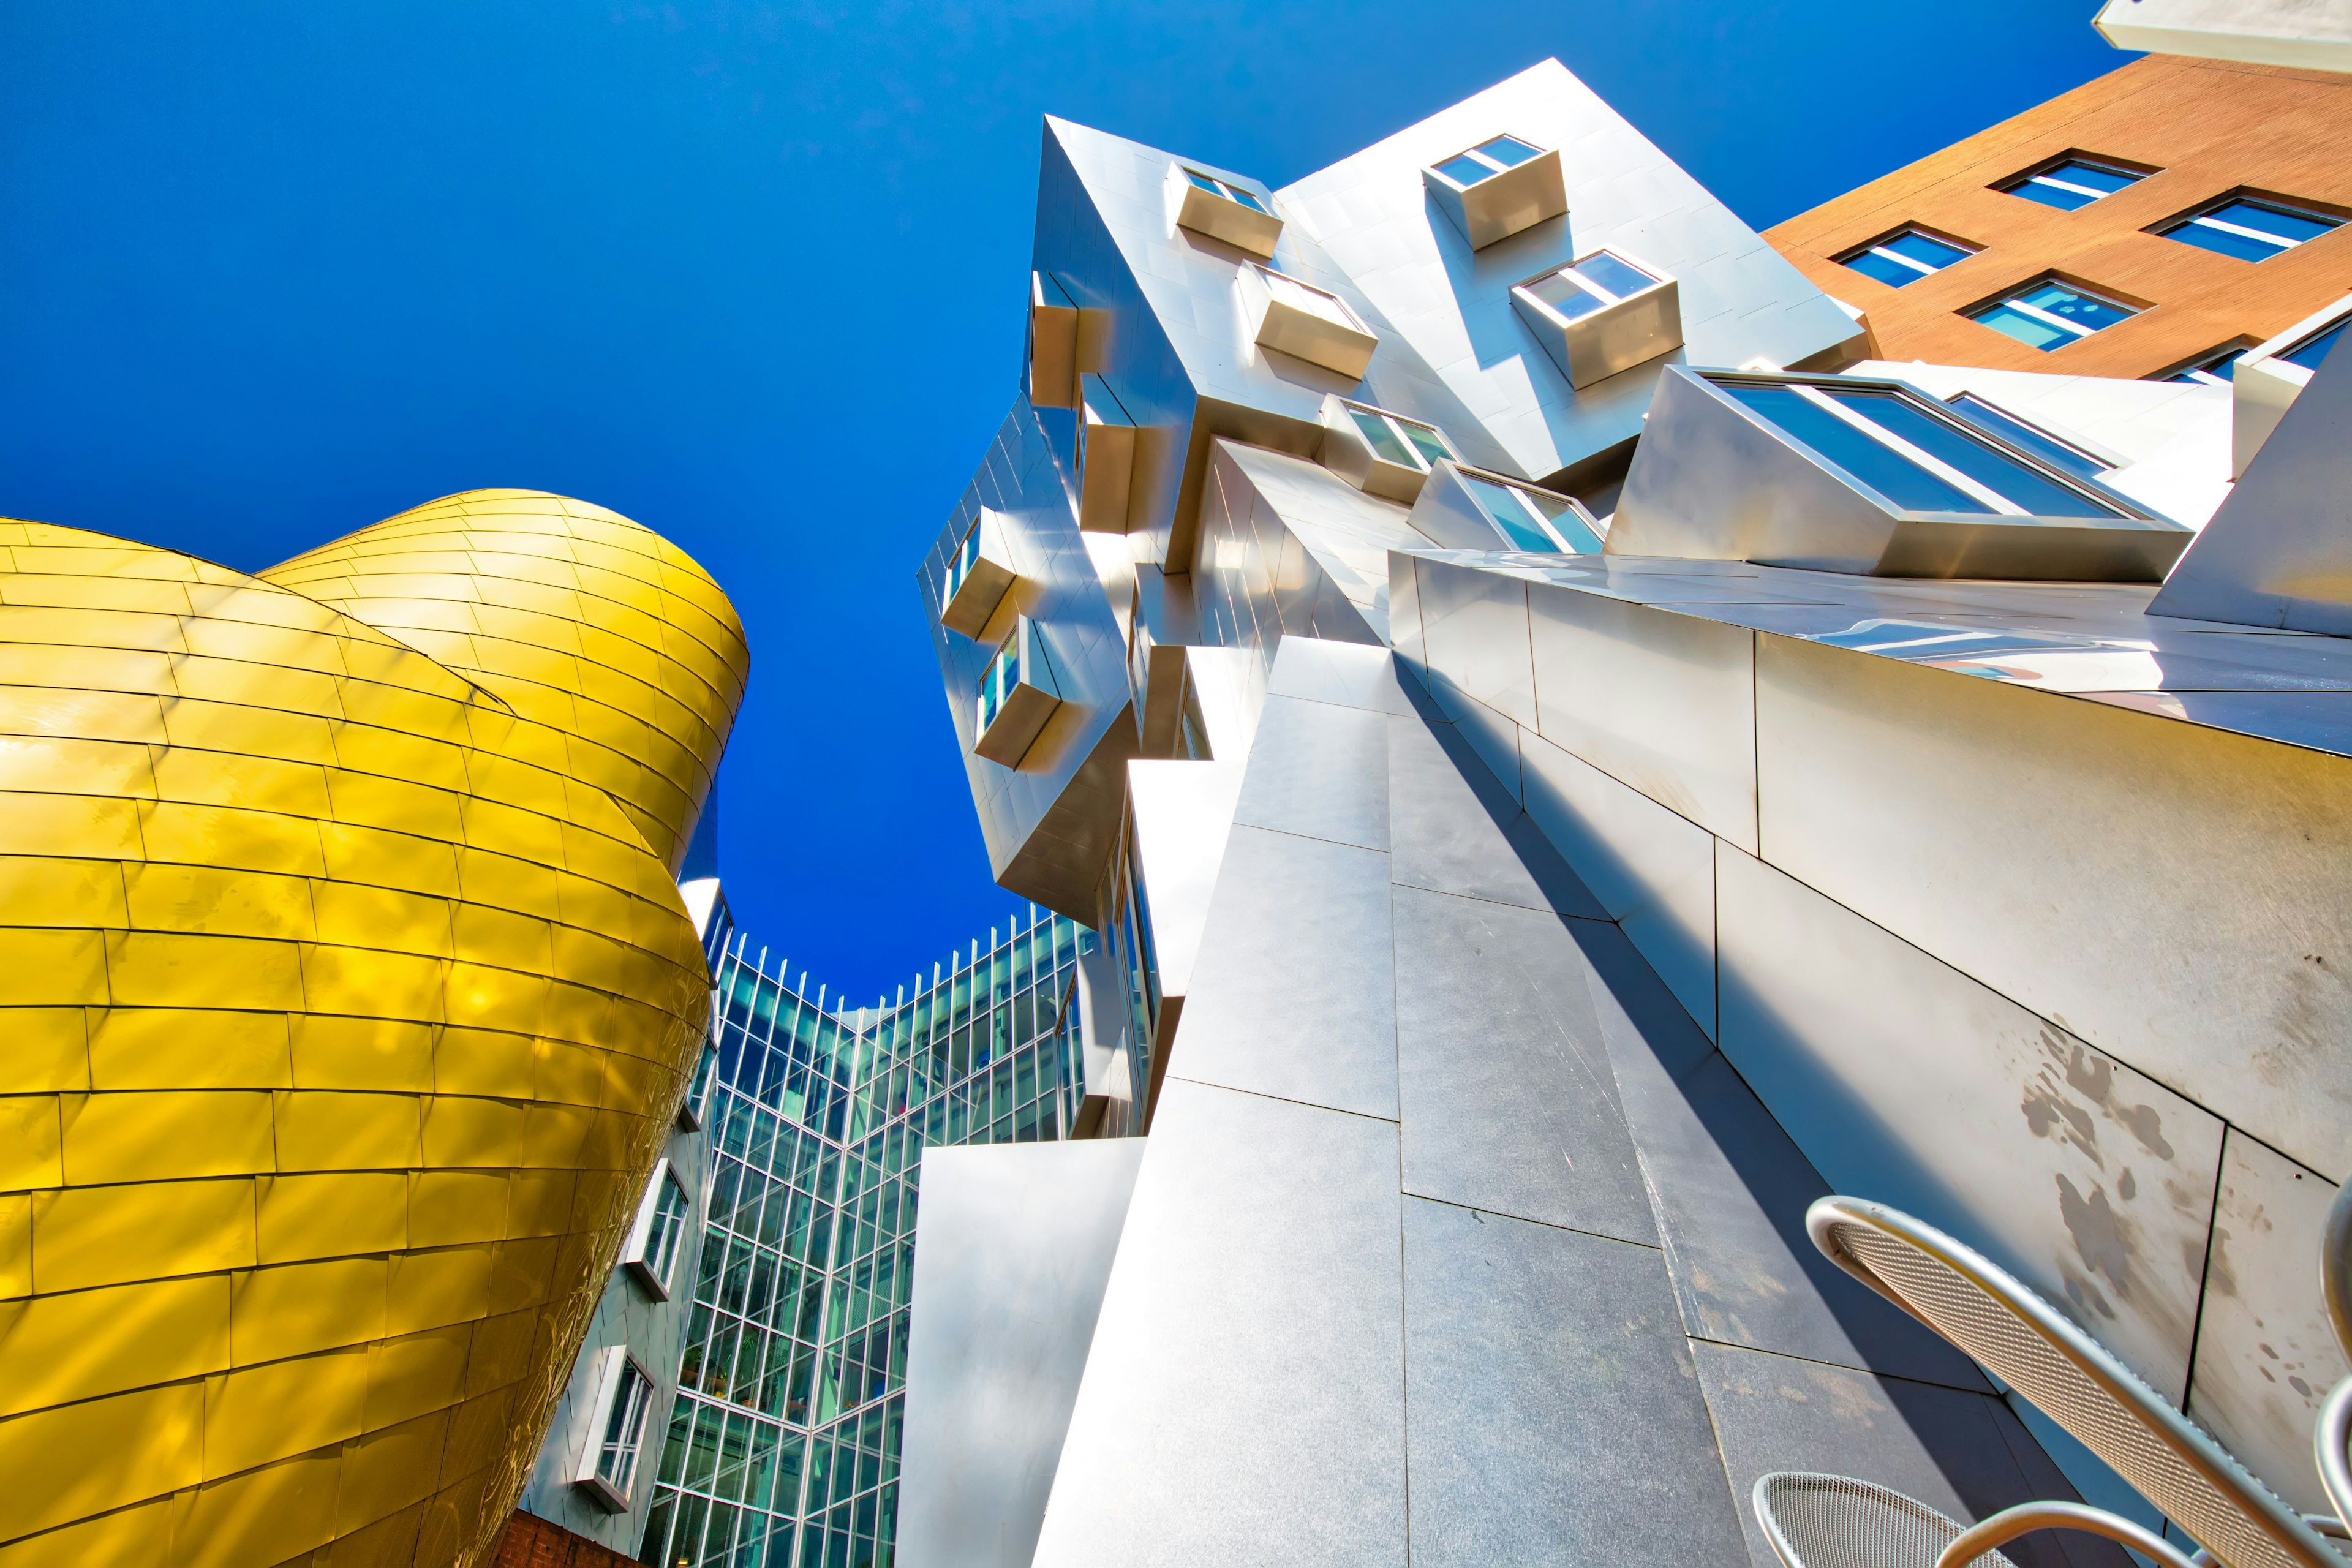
818, 1130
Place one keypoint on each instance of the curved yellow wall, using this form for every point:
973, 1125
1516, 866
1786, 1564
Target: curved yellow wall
342, 1010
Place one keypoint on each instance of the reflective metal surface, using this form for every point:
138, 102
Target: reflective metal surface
1501, 204
1616, 337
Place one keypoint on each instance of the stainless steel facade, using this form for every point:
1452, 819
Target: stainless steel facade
1505, 947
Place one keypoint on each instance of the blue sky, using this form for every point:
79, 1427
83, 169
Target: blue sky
753, 274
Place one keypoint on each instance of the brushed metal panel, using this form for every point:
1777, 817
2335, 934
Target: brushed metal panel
1664, 702
1555, 1415
1908, 1083
2171, 893
1454, 828
1320, 771
1474, 627
1014, 1250
1244, 1399
1493, 737
2265, 1354
1350, 675
1653, 870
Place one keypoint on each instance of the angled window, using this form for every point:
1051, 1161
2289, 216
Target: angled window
616, 1428
1223, 210
1492, 190
2216, 367
1532, 520
2055, 451
2314, 349
998, 681
1602, 315
2267, 378
2249, 229
2048, 315
1380, 453
1313, 323
978, 577
1916, 455
652, 1251
1018, 693
1905, 257
2072, 182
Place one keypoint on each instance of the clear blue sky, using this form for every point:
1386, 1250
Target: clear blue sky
753, 274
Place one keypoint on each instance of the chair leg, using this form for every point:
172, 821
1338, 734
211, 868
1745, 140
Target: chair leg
2011, 1522
2328, 1442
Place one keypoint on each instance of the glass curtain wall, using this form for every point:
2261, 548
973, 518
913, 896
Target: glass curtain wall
783, 1450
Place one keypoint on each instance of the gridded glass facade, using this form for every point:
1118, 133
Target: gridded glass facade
782, 1449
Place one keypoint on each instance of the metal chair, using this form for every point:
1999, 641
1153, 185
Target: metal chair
2072, 1378
1836, 1521
2333, 1433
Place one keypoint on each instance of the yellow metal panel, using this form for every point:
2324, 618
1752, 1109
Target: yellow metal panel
252, 733
88, 715
353, 915
48, 1048
36, 892
305, 1308
257, 783
320, 1130
331, 1214
91, 1342
430, 1289
156, 1135
362, 1053
29, 1142
263, 1516
52, 968
135, 1535
362, 983
171, 969
79, 1459
465, 1133
172, 1048
243, 840
215, 901
387, 1468
262, 1414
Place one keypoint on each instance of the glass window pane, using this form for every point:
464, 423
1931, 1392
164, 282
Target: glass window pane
2062, 301
1511, 515
2104, 180
1616, 274
2053, 196
2290, 226
1382, 439
1508, 150
2018, 433
1924, 250
1205, 183
2314, 349
1465, 170
2004, 476
1571, 532
2223, 368
2224, 242
1886, 269
1564, 296
2030, 331
1425, 441
1899, 479
1243, 198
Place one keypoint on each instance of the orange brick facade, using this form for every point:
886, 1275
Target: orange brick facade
531, 1541
2207, 128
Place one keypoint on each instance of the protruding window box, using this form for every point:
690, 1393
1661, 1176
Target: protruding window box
1105, 457
1498, 189
651, 1255
612, 1443
979, 576
1604, 313
1312, 323
1463, 507
1850, 474
1380, 453
1018, 694
2270, 376
1054, 325
1222, 209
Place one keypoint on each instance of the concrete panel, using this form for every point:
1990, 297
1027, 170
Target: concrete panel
2176, 895
1294, 990
2265, 1354
1908, 1083
1452, 828
1243, 1402
1554, 1417
1652, 871
1664, 702
1507, 1101
1319, 770
1963, 1452
1014, 1250
1473, 627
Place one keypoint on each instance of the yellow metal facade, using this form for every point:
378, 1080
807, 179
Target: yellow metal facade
345, 993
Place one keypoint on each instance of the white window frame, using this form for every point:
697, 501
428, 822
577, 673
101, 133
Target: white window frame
659, 1283
613, 1365
1878, 247
1396, 423
2281, 244
1599, 291
2044, 177
1225, 189
1493, 168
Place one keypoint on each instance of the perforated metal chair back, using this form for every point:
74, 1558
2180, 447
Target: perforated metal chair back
1836, 1521
2020, 1338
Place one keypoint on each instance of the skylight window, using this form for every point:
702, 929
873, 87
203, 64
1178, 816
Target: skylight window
2049, 315
1905, 257
2314, 349
2217, 368
1534, 521
2248, 230
2071, 184
1916, 456
1486, 161
2055, 450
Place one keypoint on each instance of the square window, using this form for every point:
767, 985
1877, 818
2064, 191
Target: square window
1223, 210
2248, 230
1603, 313
1312, 323
1905, 257
1504, 184
1380, 453
2048, 315
2072, 182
